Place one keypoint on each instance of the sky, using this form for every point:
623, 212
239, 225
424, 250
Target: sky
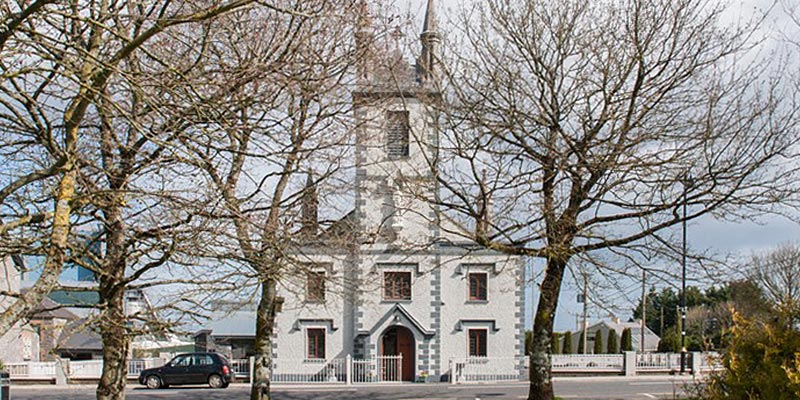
739, 240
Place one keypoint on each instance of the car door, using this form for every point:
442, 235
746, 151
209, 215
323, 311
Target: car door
175, 372
202, 367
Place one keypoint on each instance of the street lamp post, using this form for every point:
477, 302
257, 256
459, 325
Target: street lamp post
687, 183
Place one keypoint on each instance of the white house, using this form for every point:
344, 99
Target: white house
385, 280
650, 339
21, 342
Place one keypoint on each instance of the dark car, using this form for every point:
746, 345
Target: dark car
190, 369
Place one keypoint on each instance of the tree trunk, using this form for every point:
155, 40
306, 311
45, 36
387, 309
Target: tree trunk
116, 343
541, 378
265, 326
113, 329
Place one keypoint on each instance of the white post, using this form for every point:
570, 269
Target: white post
62, 371
630, 363
252, 367
348, 370
452, 372
696, 360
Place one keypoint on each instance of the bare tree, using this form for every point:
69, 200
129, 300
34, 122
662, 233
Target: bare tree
778, 274
57, 60
272, 143
578, 130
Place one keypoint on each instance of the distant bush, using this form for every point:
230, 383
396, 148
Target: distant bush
760, 362
612, 347
627, 340
598, 342
567, 348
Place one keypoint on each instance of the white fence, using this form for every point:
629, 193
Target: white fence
32, 370
487, 369
86, 369
378, 369
309, 371
649, 362
588, 362
390, 368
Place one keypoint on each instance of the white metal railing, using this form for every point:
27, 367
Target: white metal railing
240, 367
711, 361
588, 362
32, 370
658, 361
488, 369
309, 371
85, 369
378, 369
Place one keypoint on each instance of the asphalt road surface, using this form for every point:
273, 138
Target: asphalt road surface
638, 388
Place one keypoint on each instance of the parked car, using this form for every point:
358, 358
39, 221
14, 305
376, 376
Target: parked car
190, 369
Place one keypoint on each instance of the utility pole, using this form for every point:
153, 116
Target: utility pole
585, 311
687, 183
644, 309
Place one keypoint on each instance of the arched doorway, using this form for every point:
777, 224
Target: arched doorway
398, 340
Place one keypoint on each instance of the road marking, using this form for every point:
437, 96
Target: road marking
648, 395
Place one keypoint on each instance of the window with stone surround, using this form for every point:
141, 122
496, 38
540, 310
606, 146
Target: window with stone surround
315, 340
396, 285
477, 286
315, 287
477, 342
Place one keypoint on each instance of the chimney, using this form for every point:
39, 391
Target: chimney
310, 206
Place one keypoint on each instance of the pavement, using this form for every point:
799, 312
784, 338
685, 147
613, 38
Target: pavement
573, 388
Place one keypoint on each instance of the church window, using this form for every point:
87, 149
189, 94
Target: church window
477, 286
477, 342
397, 133
397, 285
315, 287
315, 338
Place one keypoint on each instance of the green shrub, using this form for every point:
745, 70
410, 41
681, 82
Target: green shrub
760, 362
555, 343
598, 342
580, 342
627, 340
567, 348
612, 347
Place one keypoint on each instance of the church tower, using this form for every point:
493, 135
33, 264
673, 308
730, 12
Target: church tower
396, 142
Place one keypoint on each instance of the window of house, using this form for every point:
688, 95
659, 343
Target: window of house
315, 337
397, 285
477, 286
477, 342
315, 287
397, 133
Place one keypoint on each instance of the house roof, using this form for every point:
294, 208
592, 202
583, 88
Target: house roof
77, 336
236, 323
49, 309
650, 338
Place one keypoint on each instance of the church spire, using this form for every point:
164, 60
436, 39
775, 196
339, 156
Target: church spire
430, 38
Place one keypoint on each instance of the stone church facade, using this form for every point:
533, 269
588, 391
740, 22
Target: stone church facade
393, 277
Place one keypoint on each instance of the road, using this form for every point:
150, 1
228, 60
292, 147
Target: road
638, 388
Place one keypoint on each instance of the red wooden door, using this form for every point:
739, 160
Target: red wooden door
405, 347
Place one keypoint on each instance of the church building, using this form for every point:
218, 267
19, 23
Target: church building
391, 278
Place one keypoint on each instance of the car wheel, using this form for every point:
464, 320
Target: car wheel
153, 382
224, 385
215, 381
